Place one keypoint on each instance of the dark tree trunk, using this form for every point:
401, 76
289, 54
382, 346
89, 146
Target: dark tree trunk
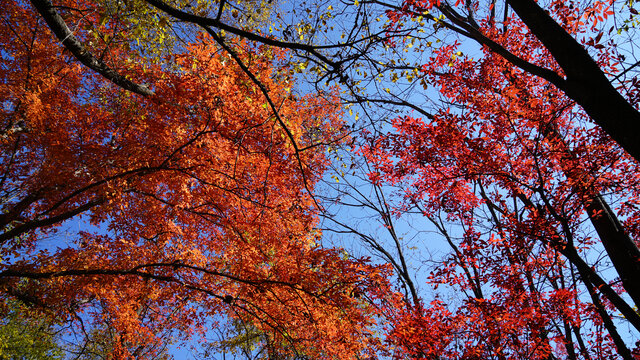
585, 82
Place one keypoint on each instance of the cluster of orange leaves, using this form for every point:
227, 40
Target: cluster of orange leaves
195, 202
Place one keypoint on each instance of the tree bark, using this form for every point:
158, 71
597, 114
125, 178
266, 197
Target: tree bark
620, 247
622, 251
585, 82
63, 33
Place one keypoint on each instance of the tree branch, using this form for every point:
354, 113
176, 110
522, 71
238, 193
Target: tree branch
63, 33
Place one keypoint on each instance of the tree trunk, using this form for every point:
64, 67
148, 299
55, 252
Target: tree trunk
585, 82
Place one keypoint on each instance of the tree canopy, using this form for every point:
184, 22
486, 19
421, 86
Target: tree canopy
169, 167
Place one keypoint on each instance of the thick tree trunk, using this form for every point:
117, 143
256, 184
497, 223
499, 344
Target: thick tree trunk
587, 273
622, 348
622, 250
585, 82
620, 247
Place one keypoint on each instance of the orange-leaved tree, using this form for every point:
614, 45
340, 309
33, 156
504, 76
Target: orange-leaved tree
189, 203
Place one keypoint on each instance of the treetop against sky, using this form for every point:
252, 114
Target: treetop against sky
212, 155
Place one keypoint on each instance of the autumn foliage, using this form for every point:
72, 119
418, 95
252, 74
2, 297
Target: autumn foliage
191, 203
525, 189
159, 170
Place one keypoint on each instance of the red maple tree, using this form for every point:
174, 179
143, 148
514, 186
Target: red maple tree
521, 164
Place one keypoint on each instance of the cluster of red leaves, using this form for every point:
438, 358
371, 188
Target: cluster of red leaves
515, 164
